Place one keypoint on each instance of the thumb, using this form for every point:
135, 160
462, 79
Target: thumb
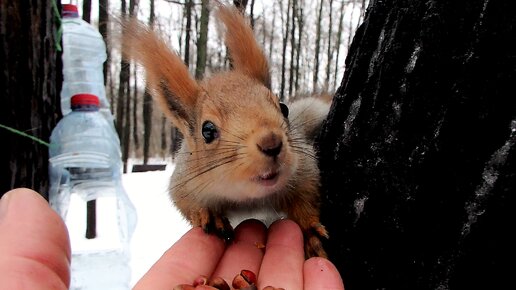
34, 244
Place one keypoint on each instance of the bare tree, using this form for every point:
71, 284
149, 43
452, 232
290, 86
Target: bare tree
292, 48
30, 82
202, 40
103, 29
339, 41
189, 5
329, 52
251, 13
301, 26
286, 31
241, 5
147, 105
86, 10
317, 47
134, 121
273, 27
123, 87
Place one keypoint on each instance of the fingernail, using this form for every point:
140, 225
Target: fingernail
4, 205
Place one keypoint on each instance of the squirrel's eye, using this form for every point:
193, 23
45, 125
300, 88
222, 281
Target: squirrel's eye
209, 132
284, 110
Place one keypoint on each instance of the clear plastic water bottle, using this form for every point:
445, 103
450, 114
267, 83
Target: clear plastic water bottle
85, 164
84, 53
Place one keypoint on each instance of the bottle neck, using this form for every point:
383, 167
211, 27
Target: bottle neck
70, 14
85, 108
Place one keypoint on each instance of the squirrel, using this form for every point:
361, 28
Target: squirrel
242, 148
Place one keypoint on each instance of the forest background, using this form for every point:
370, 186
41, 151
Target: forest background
418, 153
305, 41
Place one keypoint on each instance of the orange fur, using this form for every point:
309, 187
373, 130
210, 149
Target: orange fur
257, 157
245, 52
148, 49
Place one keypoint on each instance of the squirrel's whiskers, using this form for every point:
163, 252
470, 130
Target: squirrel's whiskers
242, 148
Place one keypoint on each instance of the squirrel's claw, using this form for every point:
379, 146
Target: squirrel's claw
216, 224
313, 244
320, 229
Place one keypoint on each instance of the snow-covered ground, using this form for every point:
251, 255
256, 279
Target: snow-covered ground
159, 223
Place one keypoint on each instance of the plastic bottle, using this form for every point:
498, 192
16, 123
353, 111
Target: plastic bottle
85, 165
84, 53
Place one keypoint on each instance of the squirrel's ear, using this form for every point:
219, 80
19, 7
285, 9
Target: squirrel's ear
168, 79
246, 54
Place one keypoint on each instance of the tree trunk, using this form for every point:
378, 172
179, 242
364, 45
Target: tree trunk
91, 205
134, 121
124, 98
86, 10
301, 26
273, 27
122, 85
339, 42
240, 5
31, 81
292, 49
188, 29
329, 51
284, 50
317, 48
202, 41
251, 14
103, 29
147, 105
418, 156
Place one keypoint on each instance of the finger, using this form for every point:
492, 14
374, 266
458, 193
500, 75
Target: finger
282, 264
34, 244
320, 273
244, 252
195, 254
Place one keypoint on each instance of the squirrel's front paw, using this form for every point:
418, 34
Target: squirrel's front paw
313, 245
213, 223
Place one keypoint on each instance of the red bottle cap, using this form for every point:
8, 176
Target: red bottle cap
85, 99
70, 10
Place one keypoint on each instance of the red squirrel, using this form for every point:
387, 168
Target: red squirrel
242, 148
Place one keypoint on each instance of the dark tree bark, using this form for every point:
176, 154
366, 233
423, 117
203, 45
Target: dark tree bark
317, 47
339, 42
134, 119
240, 5
418, 156
123, 116
147, 105
301, 25
30, 86
292, 49
189, 5
91, 205
284, 50
202, 41
86, 10
329, 49
103, 29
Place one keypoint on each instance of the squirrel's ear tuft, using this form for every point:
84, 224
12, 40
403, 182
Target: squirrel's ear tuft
246, 54
168, 79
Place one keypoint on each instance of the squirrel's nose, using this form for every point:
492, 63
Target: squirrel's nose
270, 145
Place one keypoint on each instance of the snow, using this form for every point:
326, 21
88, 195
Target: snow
159, 223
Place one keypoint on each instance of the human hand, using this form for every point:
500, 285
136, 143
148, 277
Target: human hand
34, 244
35, 253
282, 264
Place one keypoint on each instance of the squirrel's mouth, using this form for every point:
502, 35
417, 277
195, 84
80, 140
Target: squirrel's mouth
268, 178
